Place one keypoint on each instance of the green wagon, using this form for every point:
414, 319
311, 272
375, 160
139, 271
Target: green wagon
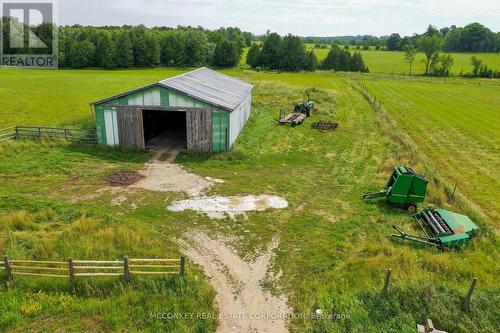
405, 188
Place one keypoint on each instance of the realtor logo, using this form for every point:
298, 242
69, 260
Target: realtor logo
28, 34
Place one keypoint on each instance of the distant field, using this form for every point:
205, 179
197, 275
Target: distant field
392, 62
47, 97
456, 124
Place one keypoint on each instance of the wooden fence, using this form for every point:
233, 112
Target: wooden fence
72, 269
37, 132
7, 133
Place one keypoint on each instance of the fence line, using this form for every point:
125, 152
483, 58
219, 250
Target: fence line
7, 133
72, 269
407, 141
37, 132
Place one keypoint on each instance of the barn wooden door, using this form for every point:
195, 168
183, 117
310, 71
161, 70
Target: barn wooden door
130, 127
199, 129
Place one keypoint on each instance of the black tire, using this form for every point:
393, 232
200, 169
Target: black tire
412, 208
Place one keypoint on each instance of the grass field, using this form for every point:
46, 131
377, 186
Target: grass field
394, 63
455, 123
334, 248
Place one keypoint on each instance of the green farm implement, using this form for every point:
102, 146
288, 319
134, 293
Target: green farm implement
304, 107
300, 112
444, 229
405, 188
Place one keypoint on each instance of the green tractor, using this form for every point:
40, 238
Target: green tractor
406, 188
306, 108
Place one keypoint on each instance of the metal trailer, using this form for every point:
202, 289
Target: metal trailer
405, 188
443, 229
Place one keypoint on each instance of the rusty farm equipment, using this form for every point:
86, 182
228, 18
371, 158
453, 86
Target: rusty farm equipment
444, 229
405, 188
300, 112
324, 125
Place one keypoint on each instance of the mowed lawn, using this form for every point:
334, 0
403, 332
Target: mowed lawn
456, 125
393, 62
334, 247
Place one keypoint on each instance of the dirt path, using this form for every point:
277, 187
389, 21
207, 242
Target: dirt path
244, 306
167, 176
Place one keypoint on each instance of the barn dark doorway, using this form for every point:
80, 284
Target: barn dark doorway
165, 129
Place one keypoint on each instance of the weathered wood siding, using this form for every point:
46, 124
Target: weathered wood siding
130, 126
199, 129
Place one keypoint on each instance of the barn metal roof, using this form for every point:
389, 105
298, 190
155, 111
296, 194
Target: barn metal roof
211, 87
205, 85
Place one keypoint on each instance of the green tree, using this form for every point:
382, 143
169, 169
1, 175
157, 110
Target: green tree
124, 52
311, 61
81, 54
430, 46
292, 54
432, 31
153, 51
139, 47
443, 66
253, 56
105, 50
225, 54
476, 65
342, 60
197, 48
410, 54
452, 40
357, 63
271, 51
173, 48
394, 42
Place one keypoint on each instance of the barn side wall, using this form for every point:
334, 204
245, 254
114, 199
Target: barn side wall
238, 118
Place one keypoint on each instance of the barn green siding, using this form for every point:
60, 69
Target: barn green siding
154, 96
100, 125
160, 96
220, 130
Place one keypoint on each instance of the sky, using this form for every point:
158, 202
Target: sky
304, 18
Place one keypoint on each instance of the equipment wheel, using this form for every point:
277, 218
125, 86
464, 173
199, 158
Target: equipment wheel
412, 208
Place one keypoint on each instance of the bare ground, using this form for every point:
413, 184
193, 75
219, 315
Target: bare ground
218, 206
244, 306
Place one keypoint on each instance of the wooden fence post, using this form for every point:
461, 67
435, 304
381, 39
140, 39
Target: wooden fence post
17, 132
469, 294
8, 269
71, 268
183, 266
385, 291
126, 268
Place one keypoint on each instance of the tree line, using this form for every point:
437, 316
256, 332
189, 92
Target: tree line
290, 54
138, 46
474, 37
432, 43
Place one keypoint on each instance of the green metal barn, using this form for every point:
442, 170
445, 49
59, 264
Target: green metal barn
203, 109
